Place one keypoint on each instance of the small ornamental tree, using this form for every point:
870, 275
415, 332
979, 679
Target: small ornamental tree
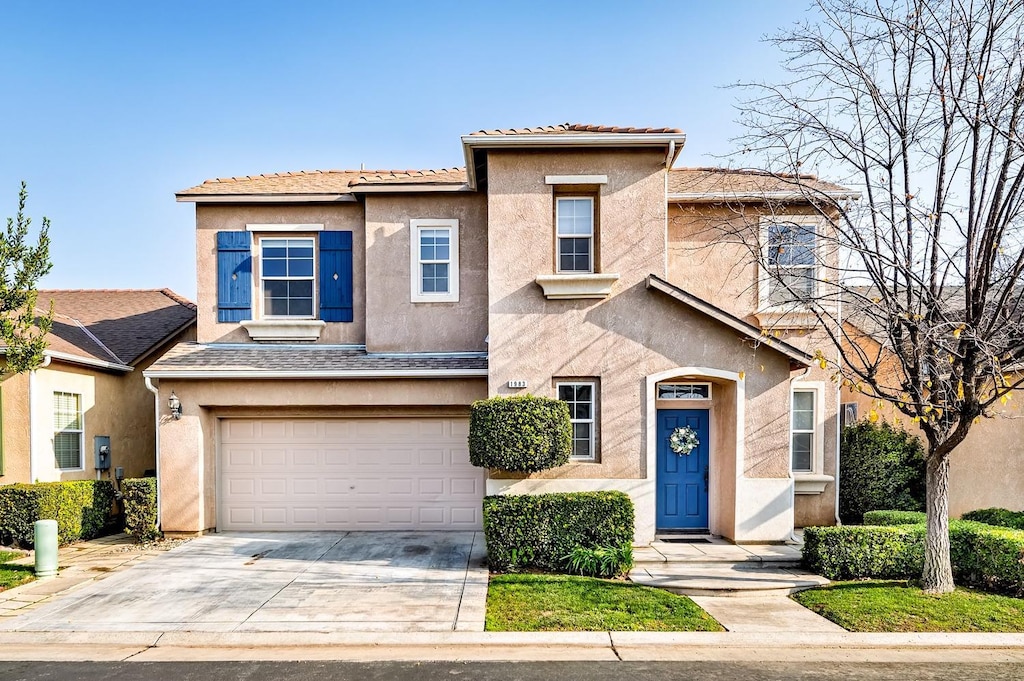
521, 434
23, 327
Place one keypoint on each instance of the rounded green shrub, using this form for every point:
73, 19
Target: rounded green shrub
999, 517
880, 468
140, 508
894, 518
520, 434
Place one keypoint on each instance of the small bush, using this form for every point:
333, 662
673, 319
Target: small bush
894, 517
880, 467
984, 556
604, 561
999, 517
80, 507
521, 434
541, 530
140, 511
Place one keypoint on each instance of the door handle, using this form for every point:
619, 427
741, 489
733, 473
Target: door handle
705, 478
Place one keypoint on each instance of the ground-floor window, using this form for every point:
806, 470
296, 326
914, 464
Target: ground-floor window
804, 419
68, 430
581, 396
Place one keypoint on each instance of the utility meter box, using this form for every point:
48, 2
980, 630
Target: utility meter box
101, 447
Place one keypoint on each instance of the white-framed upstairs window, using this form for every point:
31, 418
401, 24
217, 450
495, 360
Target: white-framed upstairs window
68, 431
581, 397
574, 234
791, 261
434, 261
807, 437
288, 277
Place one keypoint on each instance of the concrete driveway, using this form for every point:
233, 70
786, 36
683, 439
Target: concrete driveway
308, 581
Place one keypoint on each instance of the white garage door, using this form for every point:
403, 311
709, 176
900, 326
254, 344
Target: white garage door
347, 474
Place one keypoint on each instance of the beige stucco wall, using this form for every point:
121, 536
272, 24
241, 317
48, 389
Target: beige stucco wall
211, 219
188, 447
633, 334
393, 322
15, 428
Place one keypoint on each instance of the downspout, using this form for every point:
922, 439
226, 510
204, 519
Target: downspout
33, 440
792, 531
156, 411
839, 405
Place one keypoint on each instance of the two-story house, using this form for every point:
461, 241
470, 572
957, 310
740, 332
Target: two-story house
348, 319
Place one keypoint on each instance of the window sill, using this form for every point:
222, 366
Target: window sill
571, 286
786, 319
809, 483
284, 329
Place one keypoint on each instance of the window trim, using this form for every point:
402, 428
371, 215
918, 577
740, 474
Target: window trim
416, 293
592, 238
765, 280
258, 274
817, 389
80, 431
594, 415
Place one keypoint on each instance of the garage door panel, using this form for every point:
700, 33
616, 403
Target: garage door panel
347, 474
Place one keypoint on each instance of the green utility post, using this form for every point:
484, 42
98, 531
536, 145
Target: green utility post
46, 548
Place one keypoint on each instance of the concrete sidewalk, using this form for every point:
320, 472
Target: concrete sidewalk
542, 646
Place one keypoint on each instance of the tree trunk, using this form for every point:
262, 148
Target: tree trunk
938, 571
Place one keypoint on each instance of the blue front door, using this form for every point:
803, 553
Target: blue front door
682, 494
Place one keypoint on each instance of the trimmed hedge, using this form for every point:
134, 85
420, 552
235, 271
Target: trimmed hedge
880, 468
80, 507
999, 517
140, 512
520, 434
988, 557
895, 517
543, 530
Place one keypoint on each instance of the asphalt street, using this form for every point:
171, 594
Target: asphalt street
500, 671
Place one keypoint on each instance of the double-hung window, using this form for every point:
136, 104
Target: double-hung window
287, 277
581, 397
792, 262
804, 430
574, 232
434, 261
68, 430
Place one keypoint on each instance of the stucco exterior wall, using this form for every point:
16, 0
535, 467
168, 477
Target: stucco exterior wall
393, 322
211, 219
15, 428
188, 447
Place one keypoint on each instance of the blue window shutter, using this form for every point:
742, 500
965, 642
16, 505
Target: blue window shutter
336, 276
234, 276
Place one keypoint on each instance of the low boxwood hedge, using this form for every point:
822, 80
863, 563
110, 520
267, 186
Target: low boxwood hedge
982, 555
520, 434
1000, 517
80, 507
543, 530
140, 512
894, 517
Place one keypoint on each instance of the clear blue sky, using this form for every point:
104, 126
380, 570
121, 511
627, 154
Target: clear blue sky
108, 108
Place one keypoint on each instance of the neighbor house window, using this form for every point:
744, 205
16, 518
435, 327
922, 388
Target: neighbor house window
574, 231
68, 430
803, 430
286, 277
791, 262
435, 261
582, 400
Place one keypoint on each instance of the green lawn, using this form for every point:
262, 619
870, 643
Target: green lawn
563, 603
898, 606
13, 575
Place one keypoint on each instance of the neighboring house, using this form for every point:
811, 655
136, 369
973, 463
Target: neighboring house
348, 319
91, 386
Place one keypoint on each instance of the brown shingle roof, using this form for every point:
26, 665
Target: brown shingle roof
743, 182
117, 326
575, 128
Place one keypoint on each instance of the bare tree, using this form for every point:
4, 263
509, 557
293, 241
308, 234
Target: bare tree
918, 105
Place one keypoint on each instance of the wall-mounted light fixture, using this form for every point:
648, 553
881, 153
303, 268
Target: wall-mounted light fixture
174, 404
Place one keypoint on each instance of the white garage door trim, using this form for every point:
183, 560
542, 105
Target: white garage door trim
294, 474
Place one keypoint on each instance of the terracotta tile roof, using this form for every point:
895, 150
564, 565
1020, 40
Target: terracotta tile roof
316, 360
574, 129
439, 176
117, 326
742, 182
300, 182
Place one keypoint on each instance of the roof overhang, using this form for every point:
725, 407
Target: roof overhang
313, 374
725, 197
672, 142
265, 198
87, 361
795, 355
